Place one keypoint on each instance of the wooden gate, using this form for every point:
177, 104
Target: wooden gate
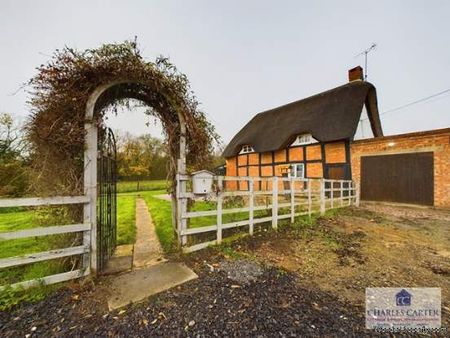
403, 178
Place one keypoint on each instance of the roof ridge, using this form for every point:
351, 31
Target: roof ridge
349, 84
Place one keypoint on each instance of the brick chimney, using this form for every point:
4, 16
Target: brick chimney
356, 74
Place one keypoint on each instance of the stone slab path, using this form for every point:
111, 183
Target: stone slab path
147, 272
144, 252
139, 284
147, 249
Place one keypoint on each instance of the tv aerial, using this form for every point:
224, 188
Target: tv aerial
365, 53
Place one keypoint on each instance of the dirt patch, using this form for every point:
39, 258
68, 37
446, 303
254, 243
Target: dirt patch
377, 246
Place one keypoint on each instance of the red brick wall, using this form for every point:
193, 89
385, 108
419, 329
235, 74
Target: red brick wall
266, 158
437, 141
280, 155
335, 152
314, 170
313, 153
253, 159
296, 154
231, 166
242, 160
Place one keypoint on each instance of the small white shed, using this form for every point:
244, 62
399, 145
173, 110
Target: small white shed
202, 182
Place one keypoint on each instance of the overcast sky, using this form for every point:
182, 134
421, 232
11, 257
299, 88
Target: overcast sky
243, 57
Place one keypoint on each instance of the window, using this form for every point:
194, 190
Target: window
297, 170
246, 149
304, 139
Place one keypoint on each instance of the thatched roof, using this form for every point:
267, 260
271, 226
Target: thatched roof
329, 116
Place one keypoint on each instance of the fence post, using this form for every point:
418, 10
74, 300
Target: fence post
275, 202
181, 206
342, 193
251, 202
219, 209
183, 213
357, 193
309, 198
292, 200
178, 207
351, 193
332, 194
90, 190
322, 196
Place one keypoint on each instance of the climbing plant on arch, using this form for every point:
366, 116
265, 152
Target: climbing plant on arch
105, 78
70, 96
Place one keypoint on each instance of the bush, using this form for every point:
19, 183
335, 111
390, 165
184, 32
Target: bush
13, 178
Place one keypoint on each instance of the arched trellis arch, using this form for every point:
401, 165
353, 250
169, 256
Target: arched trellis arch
71, 95
90, 163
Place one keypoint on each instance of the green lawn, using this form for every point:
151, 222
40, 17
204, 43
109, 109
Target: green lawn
17, 219
126, 220
12, 219
226, 218
133, 186
161, 212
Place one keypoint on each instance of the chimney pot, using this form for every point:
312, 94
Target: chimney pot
356, 74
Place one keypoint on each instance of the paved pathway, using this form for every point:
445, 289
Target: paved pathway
147, 250
139, 284
144, 252
150, 272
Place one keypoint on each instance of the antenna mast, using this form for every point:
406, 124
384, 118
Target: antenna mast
365, 52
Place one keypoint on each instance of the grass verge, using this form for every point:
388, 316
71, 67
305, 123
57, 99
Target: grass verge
134, 186
161, 211
126, 219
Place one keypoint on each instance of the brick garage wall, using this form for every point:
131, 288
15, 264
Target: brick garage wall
437, 141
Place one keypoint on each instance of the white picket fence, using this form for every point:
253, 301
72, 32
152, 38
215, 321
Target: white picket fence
279, 197
289, 198
34, 257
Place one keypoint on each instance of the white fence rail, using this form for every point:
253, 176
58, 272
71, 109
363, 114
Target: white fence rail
83, 249
261, 199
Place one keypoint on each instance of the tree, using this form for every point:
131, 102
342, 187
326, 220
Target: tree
13, 158
141, 157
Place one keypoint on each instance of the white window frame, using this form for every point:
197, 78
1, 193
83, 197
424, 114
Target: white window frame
246, 149
304, 139
293, 168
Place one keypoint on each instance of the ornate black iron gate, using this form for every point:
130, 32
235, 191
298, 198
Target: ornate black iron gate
107, 197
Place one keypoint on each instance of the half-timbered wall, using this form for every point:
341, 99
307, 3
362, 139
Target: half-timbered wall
321, 160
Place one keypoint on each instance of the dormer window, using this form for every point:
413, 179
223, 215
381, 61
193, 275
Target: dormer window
246, 150
304, 139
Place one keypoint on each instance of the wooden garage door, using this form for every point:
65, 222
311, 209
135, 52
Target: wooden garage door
403, 178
